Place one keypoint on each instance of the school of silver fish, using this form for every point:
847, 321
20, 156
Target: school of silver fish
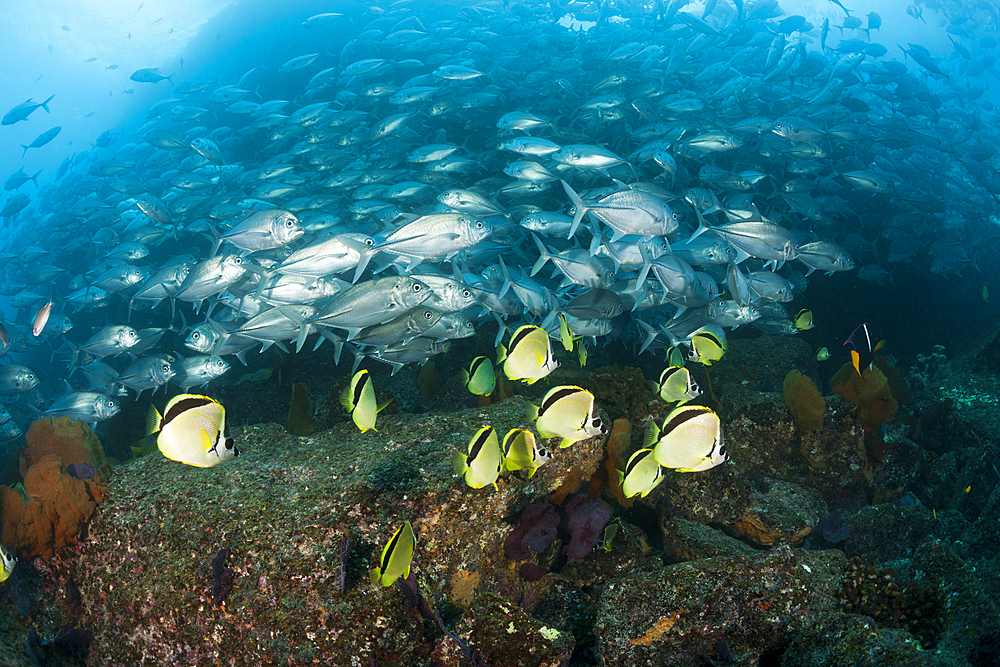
657, 173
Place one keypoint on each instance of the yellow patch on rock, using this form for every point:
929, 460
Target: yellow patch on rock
463, 587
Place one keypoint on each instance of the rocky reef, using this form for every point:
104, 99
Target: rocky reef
779, 556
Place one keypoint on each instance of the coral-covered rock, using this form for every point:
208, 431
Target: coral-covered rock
674, 615
721, 495
72, 441
761, 438
624, 393
685, 540
845, 640
785, 514
57, 510
282, 509
506, 636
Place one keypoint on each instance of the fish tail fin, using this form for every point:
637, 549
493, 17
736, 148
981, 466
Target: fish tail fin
34, 179
45, 104
595, 245
379, 408
153, 419
531, 412
543, 258
647, 264
581, 208
649, 330
345, 399
505, 287
702, 227
25, 152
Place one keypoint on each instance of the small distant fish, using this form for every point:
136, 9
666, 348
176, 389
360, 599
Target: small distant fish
863, 348
804, 320
23, 110
65, 27
479, 378
358, 398
565, 333
482, 464
677, 385
396, 557
193, 430
690, 440
112, 67
567, 412
708, 345
256, 376
41, 317
149, 75
608, 535
90, 60
7, 563
986, 292
529, 357
822, 354
642, 474
521, 450
321, 19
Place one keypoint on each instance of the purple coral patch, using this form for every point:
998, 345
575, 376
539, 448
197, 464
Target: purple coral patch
586, 519
539, 526
81, 470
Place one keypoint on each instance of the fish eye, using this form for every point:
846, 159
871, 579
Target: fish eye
416, 287
369, 242
289, 223
479, 224
238, 260
427, 315
195, 335
466, 293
